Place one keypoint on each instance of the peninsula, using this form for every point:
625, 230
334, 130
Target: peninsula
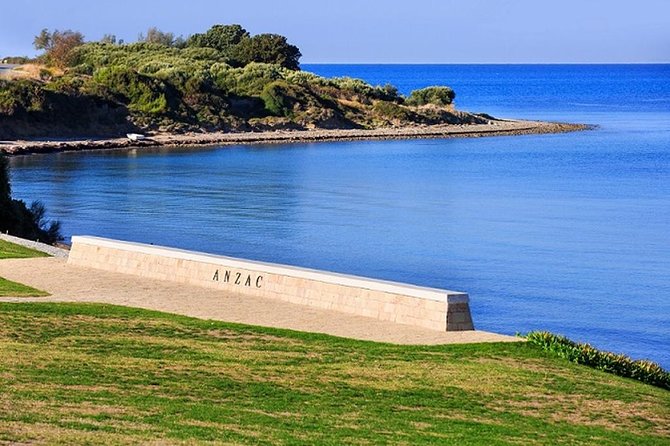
221, 86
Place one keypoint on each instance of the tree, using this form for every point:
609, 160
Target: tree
58, 45
109, 39
220, 37
266, 48
43, 40
155, 35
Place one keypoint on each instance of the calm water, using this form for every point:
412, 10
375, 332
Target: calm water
569, 233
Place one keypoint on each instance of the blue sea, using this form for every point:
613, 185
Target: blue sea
568, 233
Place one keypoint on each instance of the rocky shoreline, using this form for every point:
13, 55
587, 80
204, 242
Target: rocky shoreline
493, 128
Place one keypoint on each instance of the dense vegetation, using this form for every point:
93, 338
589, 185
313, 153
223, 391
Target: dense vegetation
645, 371
98, 374
222, 79
21, 220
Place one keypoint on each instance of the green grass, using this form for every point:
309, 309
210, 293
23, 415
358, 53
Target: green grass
12, 251
13, 289
73, 373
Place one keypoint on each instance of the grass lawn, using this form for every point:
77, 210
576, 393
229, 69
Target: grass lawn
12, 251
13, 289
76, 373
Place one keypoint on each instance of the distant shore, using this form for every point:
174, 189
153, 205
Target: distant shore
493, 128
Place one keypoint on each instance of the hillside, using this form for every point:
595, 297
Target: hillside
221, 80
114, 375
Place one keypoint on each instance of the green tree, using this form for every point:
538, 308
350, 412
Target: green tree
42, 41
58, 45
220, 37
267, 48
109, 39
155, 35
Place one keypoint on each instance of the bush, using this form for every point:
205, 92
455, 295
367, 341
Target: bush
391, 111
142, 93
441, 96
279, 98
20, 96
617, 364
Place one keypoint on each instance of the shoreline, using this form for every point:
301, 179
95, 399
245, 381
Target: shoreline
493, 128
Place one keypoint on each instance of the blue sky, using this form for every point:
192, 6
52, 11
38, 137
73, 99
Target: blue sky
391, 31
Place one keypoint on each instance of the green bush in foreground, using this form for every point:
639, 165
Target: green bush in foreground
618, 364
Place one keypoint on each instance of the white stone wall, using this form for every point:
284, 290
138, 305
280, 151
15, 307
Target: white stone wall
405, 304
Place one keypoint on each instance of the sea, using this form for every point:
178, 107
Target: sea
568, 232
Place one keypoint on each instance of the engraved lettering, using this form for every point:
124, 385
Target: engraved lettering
259, 279
226, 276
248, 281
237, 278
216, 276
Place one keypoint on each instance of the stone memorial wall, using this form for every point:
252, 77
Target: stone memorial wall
401, 303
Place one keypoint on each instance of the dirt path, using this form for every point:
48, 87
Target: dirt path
68, 283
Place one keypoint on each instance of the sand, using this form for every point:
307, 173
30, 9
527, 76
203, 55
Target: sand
493, 128
68, 283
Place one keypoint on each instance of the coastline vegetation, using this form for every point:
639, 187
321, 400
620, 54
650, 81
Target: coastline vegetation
224, 79
618, 364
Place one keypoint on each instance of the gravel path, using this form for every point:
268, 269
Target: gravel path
68, 283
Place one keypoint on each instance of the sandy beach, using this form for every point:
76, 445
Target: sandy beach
493, 128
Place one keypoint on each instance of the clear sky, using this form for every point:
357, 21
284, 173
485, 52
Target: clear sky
390, 31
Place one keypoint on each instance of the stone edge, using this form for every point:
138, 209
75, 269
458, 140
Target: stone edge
435, 294
37, 246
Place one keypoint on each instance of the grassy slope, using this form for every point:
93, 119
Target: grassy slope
104, 374
13, 289
12, 251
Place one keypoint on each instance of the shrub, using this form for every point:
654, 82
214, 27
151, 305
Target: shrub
441, 96
20, 96
142, 93
391, 111
617, 364
279, 98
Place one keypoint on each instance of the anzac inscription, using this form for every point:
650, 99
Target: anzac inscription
238, 278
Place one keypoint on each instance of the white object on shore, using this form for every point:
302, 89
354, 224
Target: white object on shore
136, 136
